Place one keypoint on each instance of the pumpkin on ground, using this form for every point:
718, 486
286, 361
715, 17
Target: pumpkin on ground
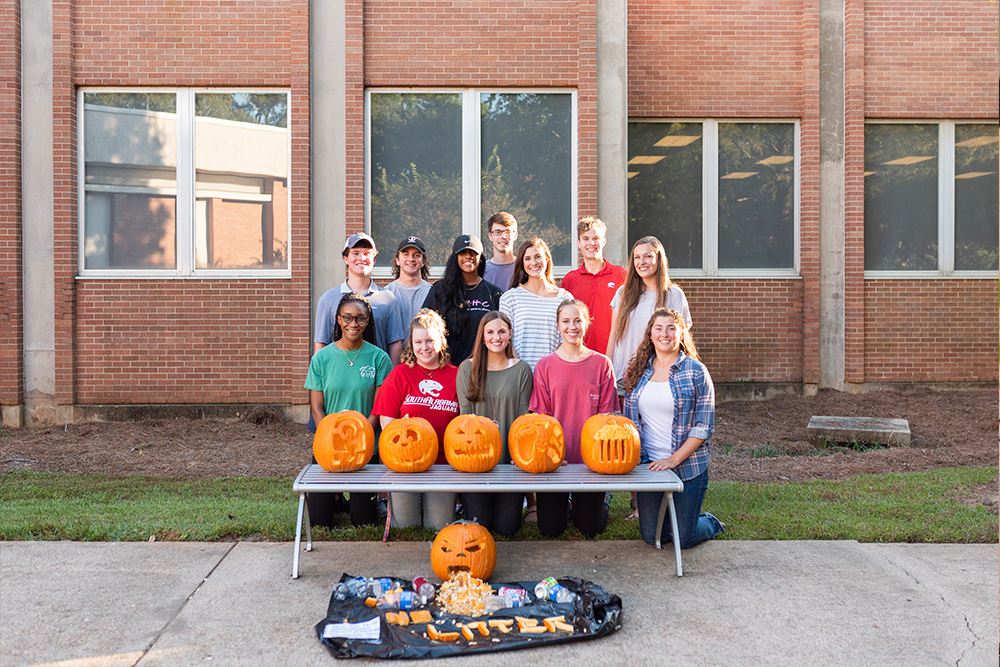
609, 444
536, 443
344, 441
408, 444
472, 444
463, 545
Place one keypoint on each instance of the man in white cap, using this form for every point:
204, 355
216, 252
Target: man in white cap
410, 270
359, 256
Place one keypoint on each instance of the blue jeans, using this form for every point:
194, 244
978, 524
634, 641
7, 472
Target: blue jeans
430, 510
693, 525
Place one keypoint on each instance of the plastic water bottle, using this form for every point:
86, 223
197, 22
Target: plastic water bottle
381, 586
513, 597
493, 603
356, 587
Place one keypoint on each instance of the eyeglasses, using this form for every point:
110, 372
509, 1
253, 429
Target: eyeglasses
501, 233
360, 319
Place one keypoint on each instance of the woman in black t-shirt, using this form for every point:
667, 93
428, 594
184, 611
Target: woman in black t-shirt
462, 297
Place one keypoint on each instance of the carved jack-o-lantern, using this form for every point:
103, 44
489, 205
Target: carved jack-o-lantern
463, 545
609, 444
408, 444
536, 443
472, 444
344, 442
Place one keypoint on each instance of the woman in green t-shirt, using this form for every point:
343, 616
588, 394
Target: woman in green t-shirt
342, 376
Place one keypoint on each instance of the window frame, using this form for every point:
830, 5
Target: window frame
946, 203
710, 201
185, 191
472, 218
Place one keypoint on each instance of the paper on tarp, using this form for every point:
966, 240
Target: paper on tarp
352, 629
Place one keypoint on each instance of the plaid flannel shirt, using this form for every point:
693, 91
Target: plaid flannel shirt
694, 411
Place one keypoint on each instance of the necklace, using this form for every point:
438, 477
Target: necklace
428, 373
356, 354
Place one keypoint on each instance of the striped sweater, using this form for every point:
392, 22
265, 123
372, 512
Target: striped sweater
534, 320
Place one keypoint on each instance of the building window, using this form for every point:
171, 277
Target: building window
184, 182
439, 164
931, 193
720, 195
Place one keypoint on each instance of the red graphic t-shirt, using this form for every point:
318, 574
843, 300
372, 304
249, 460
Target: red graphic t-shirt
596, 290
417, 392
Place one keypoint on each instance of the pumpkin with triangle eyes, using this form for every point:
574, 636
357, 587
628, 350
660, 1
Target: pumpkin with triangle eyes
344, 441
536, 443
609, 444
408, 444
472, 444
463, 545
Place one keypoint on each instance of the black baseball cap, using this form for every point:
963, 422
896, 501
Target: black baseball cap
411, 242
467, 242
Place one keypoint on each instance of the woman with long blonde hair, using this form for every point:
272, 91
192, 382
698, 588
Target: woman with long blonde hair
647, 287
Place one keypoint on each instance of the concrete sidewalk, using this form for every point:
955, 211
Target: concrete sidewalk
72, 604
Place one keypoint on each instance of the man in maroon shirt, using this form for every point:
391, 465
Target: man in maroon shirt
596, 281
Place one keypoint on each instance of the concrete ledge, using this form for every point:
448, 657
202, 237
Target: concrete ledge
870, 430
122, 413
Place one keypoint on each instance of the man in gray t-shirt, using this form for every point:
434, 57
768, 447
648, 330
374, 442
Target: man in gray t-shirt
502, 228
410, 270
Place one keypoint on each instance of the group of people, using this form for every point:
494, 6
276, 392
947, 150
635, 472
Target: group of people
499, 338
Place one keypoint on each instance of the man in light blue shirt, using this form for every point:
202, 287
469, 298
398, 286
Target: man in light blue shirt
359, 256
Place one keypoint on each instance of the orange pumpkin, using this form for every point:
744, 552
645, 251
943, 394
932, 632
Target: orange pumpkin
408, 444
344, 441
536, 443
463, 545
472, 444
609, 444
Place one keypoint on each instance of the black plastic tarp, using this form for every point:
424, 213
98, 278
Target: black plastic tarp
595, 613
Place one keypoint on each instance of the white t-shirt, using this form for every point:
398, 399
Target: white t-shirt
656, 407
625, 348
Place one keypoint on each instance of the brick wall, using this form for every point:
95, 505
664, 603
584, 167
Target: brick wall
931, 331
930, 59
11, 319
711, 58
173, 341
748, 330
183, 340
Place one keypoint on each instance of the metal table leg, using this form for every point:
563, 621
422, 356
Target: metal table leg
673, 526
298, 537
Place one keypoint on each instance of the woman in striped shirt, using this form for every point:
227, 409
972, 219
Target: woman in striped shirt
532, 303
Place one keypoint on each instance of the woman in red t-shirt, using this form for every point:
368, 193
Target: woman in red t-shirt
422, 385
573, 384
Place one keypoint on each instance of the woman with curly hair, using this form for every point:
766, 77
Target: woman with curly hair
462, 296
422, 385
671, 398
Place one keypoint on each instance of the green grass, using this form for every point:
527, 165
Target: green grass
915, 507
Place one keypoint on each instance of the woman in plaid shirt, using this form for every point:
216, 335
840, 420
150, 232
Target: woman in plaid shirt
670, 397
